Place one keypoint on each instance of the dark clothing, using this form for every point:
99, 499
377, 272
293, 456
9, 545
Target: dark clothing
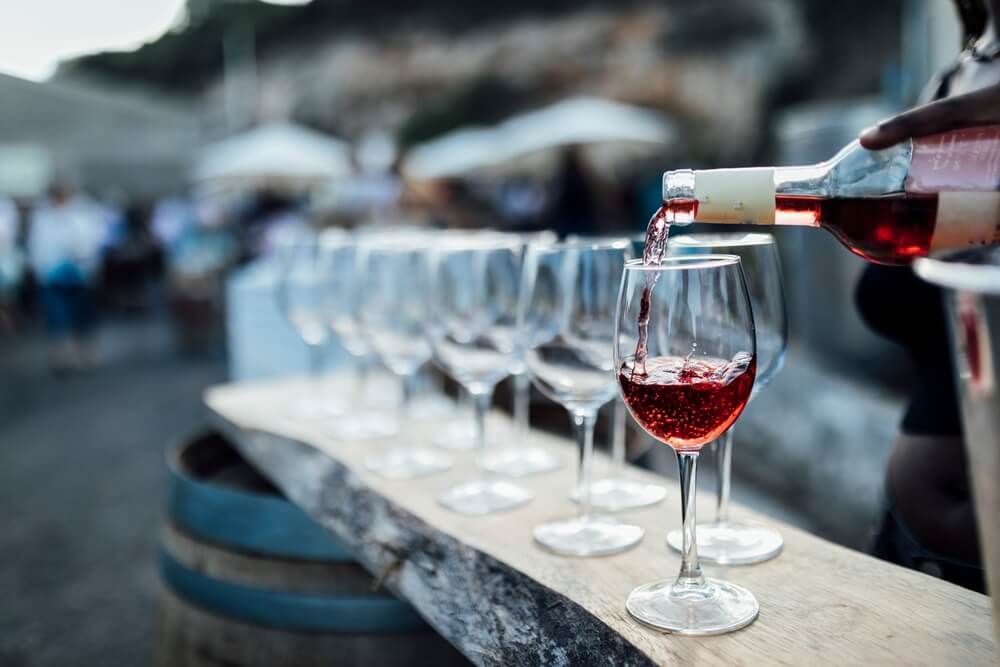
910, 311
930, 521
69, 309
896, 544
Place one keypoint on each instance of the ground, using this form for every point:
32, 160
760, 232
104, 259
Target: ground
81, 482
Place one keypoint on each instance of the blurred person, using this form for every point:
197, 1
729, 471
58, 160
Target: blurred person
573, 207
65, 236
11, 262
269, 214
929, 523
133, 260
171, 219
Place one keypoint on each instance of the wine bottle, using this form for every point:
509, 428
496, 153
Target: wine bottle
932, 193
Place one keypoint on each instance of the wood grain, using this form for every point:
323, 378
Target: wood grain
487, 588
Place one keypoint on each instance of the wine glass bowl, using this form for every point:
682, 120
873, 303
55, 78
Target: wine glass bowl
685, 361
344, 290
300, 294
724, 540
567, 316
471, 325
392, 310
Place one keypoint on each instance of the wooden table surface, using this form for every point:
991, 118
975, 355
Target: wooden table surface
487, 588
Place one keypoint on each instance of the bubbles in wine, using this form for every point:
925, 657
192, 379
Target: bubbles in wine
688, 402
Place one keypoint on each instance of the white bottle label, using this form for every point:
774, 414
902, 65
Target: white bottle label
735, 196
966, 219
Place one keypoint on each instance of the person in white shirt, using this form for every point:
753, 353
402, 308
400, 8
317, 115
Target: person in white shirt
65, 237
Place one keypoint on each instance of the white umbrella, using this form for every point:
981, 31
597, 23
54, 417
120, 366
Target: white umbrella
278, 152
580, 120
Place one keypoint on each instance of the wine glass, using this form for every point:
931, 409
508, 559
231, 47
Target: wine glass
725, 541
567, 316
339, 255
393, 308
471, 324
300, 295
686, 383
618, 492
519, 458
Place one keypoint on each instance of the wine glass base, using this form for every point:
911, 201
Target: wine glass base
459, 436
520, 461
732, 543
408, 463
363, 426
431, 407
588, 536
484, 497
713, 609
619, 494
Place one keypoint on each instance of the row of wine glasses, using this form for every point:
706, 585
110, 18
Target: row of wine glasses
484, 306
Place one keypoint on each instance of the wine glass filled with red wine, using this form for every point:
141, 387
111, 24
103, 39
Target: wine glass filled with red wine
393, 309
685, 355
567, 320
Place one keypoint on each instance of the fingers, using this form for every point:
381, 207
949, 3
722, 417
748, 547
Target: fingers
981, 107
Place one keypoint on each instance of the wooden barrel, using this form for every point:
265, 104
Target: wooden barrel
248, 579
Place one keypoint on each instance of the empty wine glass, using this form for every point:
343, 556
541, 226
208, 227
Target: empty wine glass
686, 383
344, 289
567, 315
471, 324
618, 492
393, 309
517, 457
300, 293
725, 541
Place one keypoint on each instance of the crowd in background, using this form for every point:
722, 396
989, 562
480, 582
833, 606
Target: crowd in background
68, 257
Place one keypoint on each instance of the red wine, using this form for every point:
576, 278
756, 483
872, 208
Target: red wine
925, 194
888, 230
687, 403
655, 249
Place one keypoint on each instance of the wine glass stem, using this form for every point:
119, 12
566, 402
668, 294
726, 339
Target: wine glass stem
482, 397
724, 472
690, 574
522, 407
583, 429
315, 361
362, 375
405, 405
618, 439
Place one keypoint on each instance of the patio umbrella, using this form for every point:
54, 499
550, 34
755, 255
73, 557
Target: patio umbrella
588, 121
278, 153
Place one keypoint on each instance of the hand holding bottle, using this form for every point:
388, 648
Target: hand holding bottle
975, 109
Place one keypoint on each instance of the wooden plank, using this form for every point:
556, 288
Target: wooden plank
485, 586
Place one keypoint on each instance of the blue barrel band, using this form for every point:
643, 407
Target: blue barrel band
265, 525
375, 614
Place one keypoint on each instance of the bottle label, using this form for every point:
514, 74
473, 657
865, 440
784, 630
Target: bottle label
966, 219
958, 161
735, 196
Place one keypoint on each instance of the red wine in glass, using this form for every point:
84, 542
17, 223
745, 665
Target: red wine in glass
655, 249
687, 402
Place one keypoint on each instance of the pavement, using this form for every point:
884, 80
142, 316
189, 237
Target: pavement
81, 483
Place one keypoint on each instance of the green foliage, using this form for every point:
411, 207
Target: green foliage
186, 59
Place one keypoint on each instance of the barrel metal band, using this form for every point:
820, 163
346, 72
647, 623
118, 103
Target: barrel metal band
373, 614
